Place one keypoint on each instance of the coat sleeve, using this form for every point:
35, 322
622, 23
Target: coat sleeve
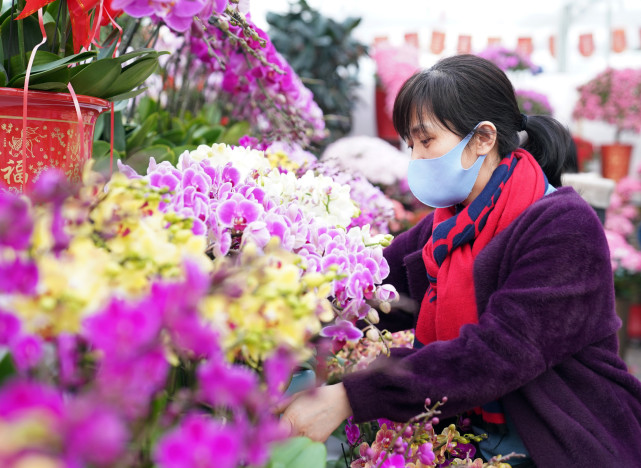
406, 269
551, 294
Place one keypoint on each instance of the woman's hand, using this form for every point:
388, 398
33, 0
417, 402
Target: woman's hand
316, 413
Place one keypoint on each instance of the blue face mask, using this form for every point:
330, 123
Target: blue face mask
442, 181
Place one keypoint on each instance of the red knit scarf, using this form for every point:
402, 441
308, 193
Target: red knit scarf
457, 238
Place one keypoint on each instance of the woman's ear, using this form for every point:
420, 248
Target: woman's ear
485, 138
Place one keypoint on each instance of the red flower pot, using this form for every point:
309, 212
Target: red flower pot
615, 161
384, 125
634, 321
53, 135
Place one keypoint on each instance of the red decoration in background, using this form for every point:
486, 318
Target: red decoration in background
384, 125
584, 151
586, 44
618, 40
524, 45
381, 39
552, 44
493, 41
464, 44
412, 39
438, 42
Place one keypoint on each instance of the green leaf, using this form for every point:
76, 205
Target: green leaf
54, 86
208, 136
298, 452
96, 78
235, 133
32, 36
7, 367
138, 138
3, 75
109, 46
176, 136
140, 159
152, 53
63, 62
48, 66
100, 125
285, 453
119, 131
129, 95
145, 107
132, 76
100, 149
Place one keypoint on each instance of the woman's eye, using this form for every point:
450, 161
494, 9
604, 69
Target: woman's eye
426, 141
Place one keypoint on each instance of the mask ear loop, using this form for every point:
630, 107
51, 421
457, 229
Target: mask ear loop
24, 99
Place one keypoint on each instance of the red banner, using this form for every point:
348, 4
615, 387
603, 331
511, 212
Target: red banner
552, 45
618, 40
464, 44
412, 39
586, 44
380, 39
438, 42
493, 41
525, 46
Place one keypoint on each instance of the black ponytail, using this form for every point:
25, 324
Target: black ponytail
552, 146
463, 90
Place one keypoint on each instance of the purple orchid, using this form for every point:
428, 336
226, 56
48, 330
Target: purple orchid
238, 213
199, 441
342, 330
225, 385
16, 224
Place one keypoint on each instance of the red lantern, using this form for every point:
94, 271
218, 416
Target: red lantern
586, 44
618, 40
524, 45
412, 39
438, 42
552, 44
493, 41
464, 44
380, 40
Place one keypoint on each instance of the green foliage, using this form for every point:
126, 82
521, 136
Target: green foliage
155, 133
325, 55
99, 76
7, 367
298, 452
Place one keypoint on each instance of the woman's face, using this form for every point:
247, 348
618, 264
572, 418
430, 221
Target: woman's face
432, 140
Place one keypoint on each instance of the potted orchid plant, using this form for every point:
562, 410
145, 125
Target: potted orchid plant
614, 97
60, 62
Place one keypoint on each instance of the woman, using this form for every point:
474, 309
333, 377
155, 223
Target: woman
517, 319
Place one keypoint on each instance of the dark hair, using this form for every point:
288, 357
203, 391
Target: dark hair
463, 90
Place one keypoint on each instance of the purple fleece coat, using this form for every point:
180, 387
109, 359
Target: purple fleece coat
545, 343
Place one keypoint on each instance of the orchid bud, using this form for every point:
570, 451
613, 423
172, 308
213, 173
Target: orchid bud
428, 402
372, 316
372, 334
385, 307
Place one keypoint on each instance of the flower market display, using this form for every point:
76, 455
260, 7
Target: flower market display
156, 310
612, 96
